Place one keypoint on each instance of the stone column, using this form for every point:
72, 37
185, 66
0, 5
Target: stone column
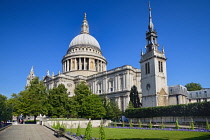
115, 83
63, 67
101, 66
124, 81
97, 65
118, 83
75, 68
127, 85
80, 64
67, 65
85, 64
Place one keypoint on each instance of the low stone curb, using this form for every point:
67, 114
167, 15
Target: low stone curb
65, 135
5, 127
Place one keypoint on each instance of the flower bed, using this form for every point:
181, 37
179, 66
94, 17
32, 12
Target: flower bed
81, 137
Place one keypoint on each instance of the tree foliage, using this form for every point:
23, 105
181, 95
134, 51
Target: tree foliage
58, 101
134, 97
112, 109
85, 104
193, 86
5, 109
33, 100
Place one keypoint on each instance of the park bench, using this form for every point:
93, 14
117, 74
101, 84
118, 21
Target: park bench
60, 132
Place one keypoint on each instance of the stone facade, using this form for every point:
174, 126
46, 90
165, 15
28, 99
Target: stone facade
84, 61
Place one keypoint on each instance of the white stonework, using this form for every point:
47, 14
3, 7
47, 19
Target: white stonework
30, 77
153, 71
84, 62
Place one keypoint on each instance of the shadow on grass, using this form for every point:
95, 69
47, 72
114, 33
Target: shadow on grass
195, 138
199, 138
139, 139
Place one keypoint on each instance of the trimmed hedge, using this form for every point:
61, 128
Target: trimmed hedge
192, 109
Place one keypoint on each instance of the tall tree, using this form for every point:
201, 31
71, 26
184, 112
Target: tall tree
134, 97
33, 100
92, 107
85, 103
112, 109
193, 86
58, 101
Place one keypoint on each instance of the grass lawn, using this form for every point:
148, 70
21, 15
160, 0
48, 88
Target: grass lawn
138, 134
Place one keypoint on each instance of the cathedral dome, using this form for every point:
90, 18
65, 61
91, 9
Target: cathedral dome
84, 39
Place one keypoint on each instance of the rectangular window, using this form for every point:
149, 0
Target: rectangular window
147, 68
160, 66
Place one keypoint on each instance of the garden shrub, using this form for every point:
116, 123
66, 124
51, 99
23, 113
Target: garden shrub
192, 109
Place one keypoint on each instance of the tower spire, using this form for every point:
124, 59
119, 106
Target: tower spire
85, 27
151, 25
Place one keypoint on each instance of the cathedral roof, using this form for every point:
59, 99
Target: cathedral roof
84, 38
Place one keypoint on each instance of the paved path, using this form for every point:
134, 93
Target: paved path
28, 132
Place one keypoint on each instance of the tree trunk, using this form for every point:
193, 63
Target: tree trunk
35, 119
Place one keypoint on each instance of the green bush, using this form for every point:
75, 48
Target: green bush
78, 133
130, 123
88, 133
177, 124
193, 109
123, 124
192, 124
115, 124
207, 124
139, 124
102, 132
150, 124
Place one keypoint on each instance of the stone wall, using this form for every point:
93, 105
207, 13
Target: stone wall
74, 124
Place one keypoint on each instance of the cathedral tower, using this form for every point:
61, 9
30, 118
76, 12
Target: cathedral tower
30, 77
153, 71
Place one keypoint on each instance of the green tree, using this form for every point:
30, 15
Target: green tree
33, 100
5, 109
130, 105
78, 133
86, 104
58, 101
193, 86
150, 124
139, 123
92, 107
177, 124
102, 135
134, 97
112, 109
88, 131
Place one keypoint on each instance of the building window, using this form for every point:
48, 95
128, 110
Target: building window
200, 94
99, 88
147, 68
121, 83
190, 95
160, 66
205, 94
110, 85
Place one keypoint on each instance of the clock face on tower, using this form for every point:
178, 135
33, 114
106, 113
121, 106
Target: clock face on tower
148, 86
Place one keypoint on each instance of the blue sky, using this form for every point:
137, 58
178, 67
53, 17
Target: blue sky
38, 32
